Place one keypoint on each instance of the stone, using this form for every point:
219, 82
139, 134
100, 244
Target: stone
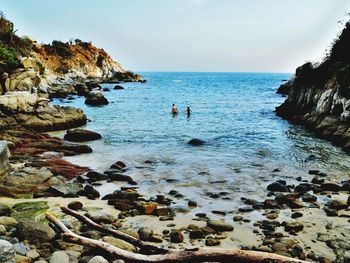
2, 230
7, 251
307, 197
22, 259
96, 98
245, 209
237, 218
330, 212
192, 203
33, 254
296, 215
337, 204
120, 243
81, 135
118, 87
59, 257
333, 187
98, 259
219, 225
196, 142
35, 232
145, 233
4, 210
95, 176
8, 221
293, 226
21, 248
147, 208
75, 205
210, 242
279, 186
28, 210
101, 217
67, 189
176, 236
91, 191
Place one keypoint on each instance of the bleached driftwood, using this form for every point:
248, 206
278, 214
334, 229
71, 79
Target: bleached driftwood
195, 255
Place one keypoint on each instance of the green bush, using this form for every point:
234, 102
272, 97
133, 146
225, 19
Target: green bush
8, 58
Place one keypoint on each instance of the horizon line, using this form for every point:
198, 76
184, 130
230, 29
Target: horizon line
194, 71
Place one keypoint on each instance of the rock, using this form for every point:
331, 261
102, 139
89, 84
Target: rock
307, 197
101, 217
2, 230
296, 215
118, 87
95, 176
245, 209
21, 248
293, 226
82, 89
119, 243
337, 204
272, 216
81, 135
176, 236
317, 180
28, 210
91, 191
33, 254
219, 225
117, 176
270, 204
4, 210
59, 257
330, 212
75, 205
145, 233
279, 186
303, 188
210, 242
118, 165
96, 98
237, 218
35, 232
196, 142
22, 259
8, 221
333, 187
147, 208
7, 251
67, 189
98, 259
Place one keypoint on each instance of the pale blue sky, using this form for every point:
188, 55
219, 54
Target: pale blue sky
189, 35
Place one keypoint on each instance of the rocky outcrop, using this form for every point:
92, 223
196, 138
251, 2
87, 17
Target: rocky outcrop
319, 95
4, 157
34, 112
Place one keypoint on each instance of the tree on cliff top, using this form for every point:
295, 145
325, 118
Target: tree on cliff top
340, 50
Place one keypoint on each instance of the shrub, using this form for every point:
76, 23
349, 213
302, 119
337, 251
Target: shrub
8, 58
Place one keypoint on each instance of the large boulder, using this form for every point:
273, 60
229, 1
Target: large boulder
80, 135
35, 232
96, 98
4, 157
7, 252
23, 79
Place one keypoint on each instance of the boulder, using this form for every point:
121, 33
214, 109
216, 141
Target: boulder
35, 232
59, 257
82, 89
219, 225
119, 243
96, 98
279, 186
67, 189
81, 135
7, 252
196, 142
118, 87
4, 210
28, 210
75, 205
8, 221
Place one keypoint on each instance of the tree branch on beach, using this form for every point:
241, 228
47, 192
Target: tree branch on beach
192, 255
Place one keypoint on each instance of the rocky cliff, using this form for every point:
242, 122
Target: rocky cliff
319, 95
32, 73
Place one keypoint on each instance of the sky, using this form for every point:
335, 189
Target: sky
189, 35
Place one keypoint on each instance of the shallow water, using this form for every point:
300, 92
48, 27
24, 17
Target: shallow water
232, 112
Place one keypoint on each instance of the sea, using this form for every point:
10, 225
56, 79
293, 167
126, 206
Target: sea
246, 145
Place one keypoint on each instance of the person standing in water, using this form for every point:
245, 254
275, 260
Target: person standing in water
188, 111
174, 110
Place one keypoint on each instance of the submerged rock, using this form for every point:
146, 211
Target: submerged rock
80, 135
196, 142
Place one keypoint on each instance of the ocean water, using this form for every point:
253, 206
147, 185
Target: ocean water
232, 112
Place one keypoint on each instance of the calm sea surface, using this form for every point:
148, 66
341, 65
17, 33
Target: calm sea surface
232, 112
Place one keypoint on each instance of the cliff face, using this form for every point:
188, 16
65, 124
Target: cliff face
319, 96
25, 64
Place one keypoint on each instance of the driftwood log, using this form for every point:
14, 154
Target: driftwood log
115, 233
193, 255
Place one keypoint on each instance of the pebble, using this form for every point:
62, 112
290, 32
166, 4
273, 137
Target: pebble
212, 242
59, 257
145, 233
176, 236
98, 259
75, 205
219, 225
